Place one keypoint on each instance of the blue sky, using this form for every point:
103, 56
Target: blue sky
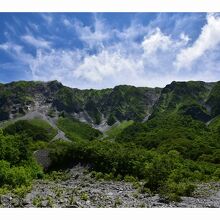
99, 50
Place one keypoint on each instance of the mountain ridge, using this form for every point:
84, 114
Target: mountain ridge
119, 103
107, 106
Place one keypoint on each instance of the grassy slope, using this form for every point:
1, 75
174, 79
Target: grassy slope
76, 130
117, 129
43, 124
215, 123
36, 124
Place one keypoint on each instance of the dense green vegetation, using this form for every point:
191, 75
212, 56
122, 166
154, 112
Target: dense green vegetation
215, 124
170, 153
37, 129
17, 166
187, 98
192, 138
163, 173
175, 149
116, 129
76, 130
18, 140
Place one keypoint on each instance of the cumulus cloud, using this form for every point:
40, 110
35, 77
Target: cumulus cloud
98, 67
207, 40
56, 64
156, 41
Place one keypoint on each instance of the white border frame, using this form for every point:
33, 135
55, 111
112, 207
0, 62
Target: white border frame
109, 5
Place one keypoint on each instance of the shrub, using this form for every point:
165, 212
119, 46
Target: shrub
217, 173
130, 179
173, 191
84, 196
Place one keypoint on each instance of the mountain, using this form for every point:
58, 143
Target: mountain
184, 118
163, 140
92, 106
188, 98
198, 99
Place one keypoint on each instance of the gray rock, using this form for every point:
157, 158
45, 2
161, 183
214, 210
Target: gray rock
15, 202
26, 202
88, 202
61, 201
76, 176
106, 194
6, 199
72, 206
44, 203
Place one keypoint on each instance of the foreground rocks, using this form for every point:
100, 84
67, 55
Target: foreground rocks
78, 190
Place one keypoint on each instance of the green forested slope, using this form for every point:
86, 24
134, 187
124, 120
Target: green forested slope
187, 98
176, 148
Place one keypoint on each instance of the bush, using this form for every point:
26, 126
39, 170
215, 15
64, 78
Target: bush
37, 130
173, 191
130, 179
84, 196
16, 176
130, 162
14, 148
217, 173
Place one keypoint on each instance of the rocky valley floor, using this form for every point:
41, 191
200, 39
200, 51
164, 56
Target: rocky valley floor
77, 189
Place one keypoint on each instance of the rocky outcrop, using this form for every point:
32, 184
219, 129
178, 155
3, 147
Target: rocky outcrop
42, 157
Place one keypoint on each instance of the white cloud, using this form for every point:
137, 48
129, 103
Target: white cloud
185, 38
55, 64
209, 38
106, 64
132, 32
156, 41
137, 55
36, 42
93, 36
48, 18
67, 23
16, 51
